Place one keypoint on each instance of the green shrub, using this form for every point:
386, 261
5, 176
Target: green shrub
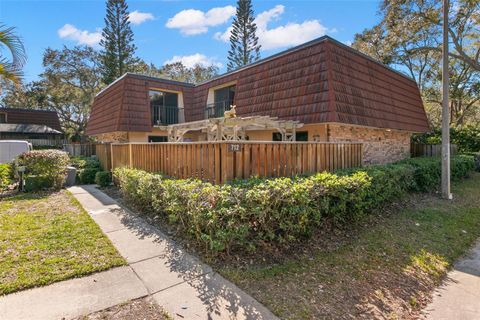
87, 176
49, 164
467, 138
87, 168
85, 162
428, 170
36, 183
245, 215
6, 175
103, 178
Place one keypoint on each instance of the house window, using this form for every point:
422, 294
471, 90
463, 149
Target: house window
223, 98
164, 107
3, 118
157, 139
299, 136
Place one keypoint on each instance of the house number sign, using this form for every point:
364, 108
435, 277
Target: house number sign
234, 147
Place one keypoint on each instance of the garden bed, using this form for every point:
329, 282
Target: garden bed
387, 266
48, 237
380, 259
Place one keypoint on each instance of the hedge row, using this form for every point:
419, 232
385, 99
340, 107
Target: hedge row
247, 214
6, 175
45, 168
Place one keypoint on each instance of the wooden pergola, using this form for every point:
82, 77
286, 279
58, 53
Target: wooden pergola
234, 128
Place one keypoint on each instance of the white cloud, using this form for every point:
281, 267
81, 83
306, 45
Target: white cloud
194, 59
192, 22
136, 17
290, 34
70, 32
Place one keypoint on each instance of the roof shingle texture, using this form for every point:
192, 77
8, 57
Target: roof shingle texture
27, 116
321, 81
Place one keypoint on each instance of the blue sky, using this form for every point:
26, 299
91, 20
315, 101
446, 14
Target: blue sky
189, 31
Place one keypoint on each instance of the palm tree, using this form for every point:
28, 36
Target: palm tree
10, 69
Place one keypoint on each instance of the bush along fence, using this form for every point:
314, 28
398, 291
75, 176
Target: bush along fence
247, 214
430, 150
219, 162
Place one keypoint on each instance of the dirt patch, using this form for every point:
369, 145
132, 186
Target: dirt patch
145, 309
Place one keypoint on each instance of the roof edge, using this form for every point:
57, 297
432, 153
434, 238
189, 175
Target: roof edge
256, 63
144, 77
2, 109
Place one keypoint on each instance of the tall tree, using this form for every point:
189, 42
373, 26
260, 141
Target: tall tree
71, 78
10, 69
244, 47
118, 55
409, 37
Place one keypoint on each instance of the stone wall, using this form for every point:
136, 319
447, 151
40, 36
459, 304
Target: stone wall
115, 137
380, 145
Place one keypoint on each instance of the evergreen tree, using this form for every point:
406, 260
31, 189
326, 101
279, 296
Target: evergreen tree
244, 47
118, 54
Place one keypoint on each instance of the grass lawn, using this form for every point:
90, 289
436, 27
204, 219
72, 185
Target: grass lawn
384, 268
48, 237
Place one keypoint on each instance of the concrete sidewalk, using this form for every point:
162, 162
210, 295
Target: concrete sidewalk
459, 296
180, 283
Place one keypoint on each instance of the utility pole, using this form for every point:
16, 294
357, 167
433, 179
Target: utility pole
446, 194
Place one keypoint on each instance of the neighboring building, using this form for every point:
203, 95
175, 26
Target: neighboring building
37, 126
336, 92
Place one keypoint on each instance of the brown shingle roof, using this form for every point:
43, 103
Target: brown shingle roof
28, 116
320, 81
27, 128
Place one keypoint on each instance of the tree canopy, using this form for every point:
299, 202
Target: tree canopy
71, 78
409, 38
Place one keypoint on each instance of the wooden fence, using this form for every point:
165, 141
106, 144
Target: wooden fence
219, 162
80, 149
47, 142
103, 152
430, 150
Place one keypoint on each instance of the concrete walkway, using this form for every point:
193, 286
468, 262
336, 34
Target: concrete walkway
459, 297
180, 283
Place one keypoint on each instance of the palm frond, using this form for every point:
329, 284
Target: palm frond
11, 69
10, 72
14, 43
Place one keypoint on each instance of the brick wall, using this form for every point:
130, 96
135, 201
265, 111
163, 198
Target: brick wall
380, 146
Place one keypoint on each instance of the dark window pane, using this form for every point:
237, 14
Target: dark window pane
3, 118
302, 136
171, 99
156, 98
277, 136
157, 139
164, 107
299, 136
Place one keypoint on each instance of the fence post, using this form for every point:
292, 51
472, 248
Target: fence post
130, 157
111, 156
